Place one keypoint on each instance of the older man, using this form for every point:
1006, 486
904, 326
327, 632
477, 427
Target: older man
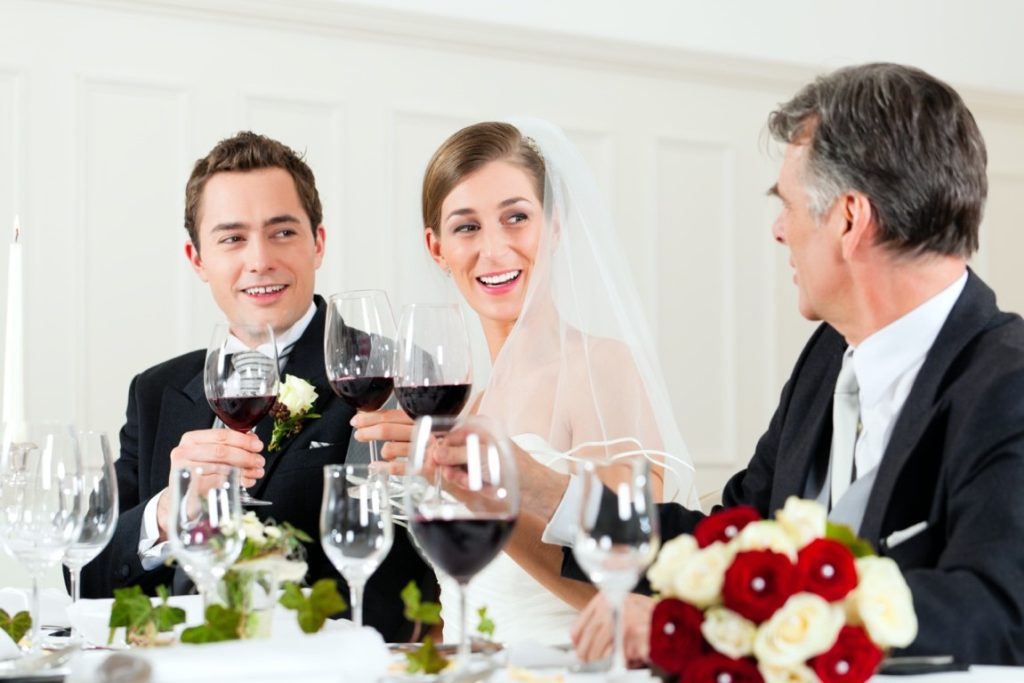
905, 411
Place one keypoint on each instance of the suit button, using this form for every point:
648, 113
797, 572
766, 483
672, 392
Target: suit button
124, 571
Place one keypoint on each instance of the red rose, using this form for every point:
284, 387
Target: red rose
716, 668
759, 582
826, 568
675, 635
853, 658
723, 526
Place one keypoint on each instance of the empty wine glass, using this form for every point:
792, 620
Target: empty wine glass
241, 378
42, 500
433, 362
462, 499
205, 531
359, 350
617, 533
356, 530
100, 508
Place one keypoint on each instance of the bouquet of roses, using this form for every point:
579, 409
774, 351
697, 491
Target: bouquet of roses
791, 599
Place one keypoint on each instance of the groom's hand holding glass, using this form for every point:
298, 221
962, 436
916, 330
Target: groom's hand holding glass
217, 451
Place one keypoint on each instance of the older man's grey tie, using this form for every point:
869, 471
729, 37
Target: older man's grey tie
845, 427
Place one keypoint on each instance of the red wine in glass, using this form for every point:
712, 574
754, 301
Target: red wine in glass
242, 413
364, 393
240, 378
359, 350
462, 547
441, 399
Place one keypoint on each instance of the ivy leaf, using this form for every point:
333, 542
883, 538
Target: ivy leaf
425, 659
291, 596
15, 626
845, 535
415, 610
324, 601
221, 624
165, 616
486, 625
131, 609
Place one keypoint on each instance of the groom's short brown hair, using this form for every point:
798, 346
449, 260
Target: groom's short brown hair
248, 151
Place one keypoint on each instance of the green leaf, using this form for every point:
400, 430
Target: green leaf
17, 626
845, 535
424, 612
291, 596
425, 659
221, 624
486, 625
166, 617
296, 532
324, 601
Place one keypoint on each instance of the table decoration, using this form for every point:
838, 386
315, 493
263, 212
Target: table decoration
791, 599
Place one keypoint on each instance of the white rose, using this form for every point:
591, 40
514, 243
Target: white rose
728, 632
699, 580
805, 626
670, 560
765, 535
882, 602
803, 520
272, 532
297, 395
252, 527
798, 673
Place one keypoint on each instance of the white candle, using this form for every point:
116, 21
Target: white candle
14, 344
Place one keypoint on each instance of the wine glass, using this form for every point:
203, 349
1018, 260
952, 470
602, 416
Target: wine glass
241, 378
356, 530
461, 514
617, 534
359, 350
42, 500
205, 531
100, 508
433, 363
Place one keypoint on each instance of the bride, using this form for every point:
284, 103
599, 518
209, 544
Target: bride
512, 214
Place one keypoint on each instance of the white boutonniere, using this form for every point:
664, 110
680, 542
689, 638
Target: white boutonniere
291, 409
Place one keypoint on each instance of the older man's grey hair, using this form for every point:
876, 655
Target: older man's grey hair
901, 137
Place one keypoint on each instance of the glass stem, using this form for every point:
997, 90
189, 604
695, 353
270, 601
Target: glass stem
355, 590
35, 635
75, 575
373, 450
618, 663
464, 650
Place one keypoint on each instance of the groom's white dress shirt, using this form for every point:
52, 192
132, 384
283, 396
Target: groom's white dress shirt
886, 365
153, 554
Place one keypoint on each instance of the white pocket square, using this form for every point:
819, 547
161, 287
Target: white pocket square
903, 535
319, 444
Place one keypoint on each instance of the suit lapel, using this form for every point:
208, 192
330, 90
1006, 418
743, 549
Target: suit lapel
810, 442
182, 411
306, 361
969, 316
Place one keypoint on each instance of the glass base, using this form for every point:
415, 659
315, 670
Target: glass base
246, 499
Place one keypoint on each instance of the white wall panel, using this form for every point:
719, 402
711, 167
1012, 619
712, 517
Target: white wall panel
130, 158
696, 280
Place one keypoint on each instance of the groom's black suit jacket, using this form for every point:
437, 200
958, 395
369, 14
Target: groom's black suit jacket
955, 461
168, 400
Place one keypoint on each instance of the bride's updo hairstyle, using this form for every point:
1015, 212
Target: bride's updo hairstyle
467, 151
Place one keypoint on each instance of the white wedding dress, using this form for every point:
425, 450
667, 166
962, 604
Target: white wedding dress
520, 607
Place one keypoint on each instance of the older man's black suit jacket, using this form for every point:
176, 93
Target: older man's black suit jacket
955, 461
168, 400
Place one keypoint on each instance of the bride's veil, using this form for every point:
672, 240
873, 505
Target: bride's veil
579, 369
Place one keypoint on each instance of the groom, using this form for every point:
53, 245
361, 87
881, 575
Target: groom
882, 187
255, 236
